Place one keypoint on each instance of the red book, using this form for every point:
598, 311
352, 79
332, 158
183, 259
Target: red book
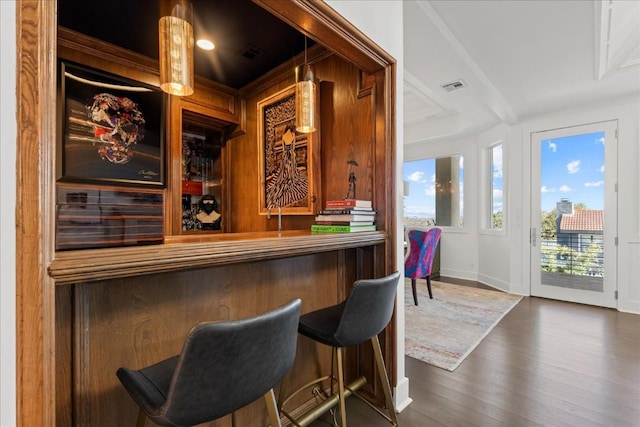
348, 203
347, 211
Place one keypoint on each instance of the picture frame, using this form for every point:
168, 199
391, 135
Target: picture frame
289, 161
111, 129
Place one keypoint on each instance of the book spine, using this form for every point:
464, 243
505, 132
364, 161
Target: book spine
331, 228
346, 212
348, 203
340, 203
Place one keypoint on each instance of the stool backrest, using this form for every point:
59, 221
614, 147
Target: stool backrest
226, 365
367, 310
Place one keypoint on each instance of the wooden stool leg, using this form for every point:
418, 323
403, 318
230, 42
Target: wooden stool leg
340, 373
384, 379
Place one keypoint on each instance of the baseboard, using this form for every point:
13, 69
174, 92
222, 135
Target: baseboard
401, 397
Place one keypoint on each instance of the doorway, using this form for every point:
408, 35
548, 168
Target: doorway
573, 230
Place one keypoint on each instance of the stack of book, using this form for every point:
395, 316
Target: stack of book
345, 216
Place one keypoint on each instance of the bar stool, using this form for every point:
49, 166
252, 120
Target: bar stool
223, 366
361, 317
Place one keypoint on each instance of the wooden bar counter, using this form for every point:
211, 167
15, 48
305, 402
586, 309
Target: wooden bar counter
198, 251
134, 306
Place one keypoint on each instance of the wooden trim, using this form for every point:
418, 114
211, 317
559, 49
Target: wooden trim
35, 299
319, 21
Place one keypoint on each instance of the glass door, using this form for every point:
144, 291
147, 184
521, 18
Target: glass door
574, 214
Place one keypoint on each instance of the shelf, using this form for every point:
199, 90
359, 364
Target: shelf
199, 251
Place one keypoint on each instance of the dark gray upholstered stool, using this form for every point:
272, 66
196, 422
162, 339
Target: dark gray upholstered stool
223, 366
360, 318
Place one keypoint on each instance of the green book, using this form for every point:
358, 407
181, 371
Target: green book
319, 228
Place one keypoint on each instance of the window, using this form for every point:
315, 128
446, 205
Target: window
435, 192
496, 200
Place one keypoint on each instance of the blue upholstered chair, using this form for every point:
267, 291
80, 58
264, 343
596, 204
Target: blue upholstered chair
421, 249
223, 366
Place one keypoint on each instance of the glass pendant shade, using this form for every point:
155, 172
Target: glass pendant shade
305, 99
176, 49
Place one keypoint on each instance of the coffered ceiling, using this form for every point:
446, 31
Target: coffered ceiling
515, 59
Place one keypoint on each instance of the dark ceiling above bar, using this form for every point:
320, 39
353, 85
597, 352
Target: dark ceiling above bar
249, 41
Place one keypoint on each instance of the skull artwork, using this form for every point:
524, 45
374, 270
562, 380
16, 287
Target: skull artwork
118, 123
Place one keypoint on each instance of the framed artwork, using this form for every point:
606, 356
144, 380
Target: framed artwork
289, 161
112, 129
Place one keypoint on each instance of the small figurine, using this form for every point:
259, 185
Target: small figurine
351, 192
208, 215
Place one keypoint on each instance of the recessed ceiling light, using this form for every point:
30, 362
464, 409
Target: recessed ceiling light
205, 44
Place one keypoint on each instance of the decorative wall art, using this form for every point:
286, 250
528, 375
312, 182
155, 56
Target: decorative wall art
289, 162
112, 129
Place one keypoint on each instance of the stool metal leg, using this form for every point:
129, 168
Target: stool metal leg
384, 379
272, 409
340, 373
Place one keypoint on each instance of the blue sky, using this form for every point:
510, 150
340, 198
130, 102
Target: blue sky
571, 167
421, 176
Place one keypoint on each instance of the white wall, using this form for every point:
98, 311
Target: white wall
381, 21
501, 259
7, 213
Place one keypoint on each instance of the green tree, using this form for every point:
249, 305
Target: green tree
548, 225
496, 220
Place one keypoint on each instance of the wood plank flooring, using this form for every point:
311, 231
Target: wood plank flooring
547, 363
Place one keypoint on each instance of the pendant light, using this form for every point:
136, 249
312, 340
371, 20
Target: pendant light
305, 96
176, 49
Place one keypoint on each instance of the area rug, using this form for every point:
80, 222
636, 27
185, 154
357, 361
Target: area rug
444, 330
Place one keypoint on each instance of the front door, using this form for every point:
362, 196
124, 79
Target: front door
574, 214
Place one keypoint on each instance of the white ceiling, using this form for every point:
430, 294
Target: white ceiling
516, 58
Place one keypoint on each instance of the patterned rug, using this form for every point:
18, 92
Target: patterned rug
444, 330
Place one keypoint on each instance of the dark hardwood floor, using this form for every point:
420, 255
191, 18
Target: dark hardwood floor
547, 363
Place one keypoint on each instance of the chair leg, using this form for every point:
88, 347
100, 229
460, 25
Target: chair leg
384, 379
340, 373
415, 292
272, 409
429, 287
142, 418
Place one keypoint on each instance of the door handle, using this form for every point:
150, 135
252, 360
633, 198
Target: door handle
533, 237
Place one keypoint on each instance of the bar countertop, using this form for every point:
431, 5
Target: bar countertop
199, 251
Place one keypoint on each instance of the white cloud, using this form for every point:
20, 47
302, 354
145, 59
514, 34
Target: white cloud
497, 194
417, 176
574, 166
433, 178
600, 141
544, 189
565, 188
430, 190
553, 146
594, 184
601, 169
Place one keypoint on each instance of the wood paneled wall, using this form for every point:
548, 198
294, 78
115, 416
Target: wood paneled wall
72, 337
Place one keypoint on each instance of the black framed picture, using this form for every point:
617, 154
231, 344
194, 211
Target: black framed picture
112, 129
